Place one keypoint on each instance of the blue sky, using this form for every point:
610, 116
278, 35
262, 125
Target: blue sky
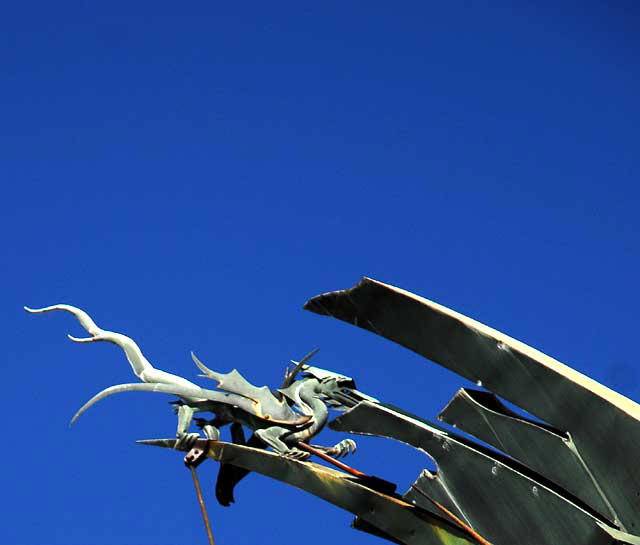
190, 175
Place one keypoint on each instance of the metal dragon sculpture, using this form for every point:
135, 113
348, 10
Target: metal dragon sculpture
569, 475
283, 420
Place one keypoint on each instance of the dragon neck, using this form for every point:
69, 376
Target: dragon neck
313, 406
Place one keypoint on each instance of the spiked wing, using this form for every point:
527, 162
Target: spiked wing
266, 405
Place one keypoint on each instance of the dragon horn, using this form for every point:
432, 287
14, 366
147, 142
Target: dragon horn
207, 372
289, 378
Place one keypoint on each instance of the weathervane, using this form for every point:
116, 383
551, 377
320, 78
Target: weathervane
569, 476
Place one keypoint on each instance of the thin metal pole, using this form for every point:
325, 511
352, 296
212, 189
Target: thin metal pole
203, 508
446, 511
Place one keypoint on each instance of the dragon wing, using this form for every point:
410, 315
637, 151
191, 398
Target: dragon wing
265, 402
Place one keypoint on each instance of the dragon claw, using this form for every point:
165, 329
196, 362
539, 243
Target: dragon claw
187, 441
352, 446
343, 448
297, 454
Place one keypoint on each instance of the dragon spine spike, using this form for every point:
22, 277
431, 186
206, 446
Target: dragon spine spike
207, 372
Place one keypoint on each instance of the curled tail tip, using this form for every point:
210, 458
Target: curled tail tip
47, 309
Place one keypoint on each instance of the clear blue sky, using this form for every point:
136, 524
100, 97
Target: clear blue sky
191, 174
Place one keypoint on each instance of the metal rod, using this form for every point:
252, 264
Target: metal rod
458, 521
203, 508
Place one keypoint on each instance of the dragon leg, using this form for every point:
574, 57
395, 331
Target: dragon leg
211, 431
185, 416
343, 448
211, 428
237, 434
273, 437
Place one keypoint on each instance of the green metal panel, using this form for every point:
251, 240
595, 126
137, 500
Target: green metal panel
540, 447
604, 425
497, 497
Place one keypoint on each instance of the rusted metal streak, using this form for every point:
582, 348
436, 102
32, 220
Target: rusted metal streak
475, 535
